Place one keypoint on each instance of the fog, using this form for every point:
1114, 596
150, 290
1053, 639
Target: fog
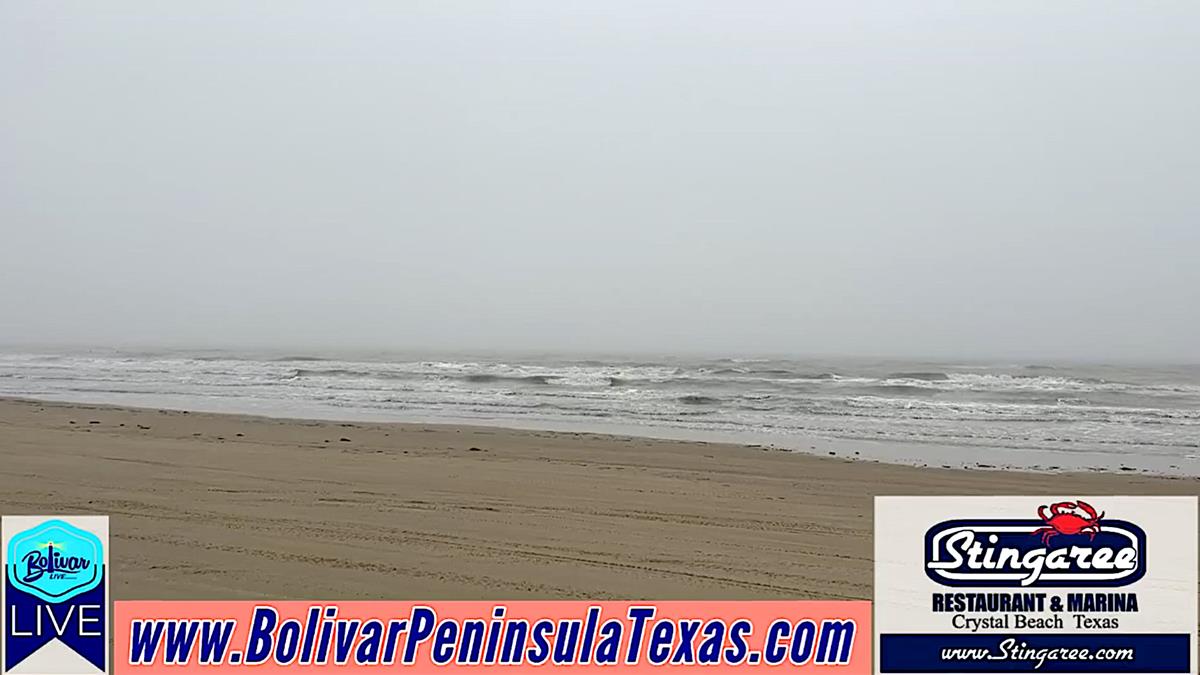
893, 178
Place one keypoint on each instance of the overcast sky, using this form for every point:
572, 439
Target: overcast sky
892, 178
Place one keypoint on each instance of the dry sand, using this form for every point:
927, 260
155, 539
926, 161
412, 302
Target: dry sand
223, 506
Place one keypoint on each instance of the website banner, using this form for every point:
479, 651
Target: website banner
1035, 584
684, 636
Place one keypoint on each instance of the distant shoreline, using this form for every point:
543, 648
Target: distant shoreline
210, 506
1044, 419
909, 455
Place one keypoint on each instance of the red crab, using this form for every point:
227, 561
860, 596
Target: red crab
1064, 520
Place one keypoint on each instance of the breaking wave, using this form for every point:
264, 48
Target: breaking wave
1054, 407
930, 377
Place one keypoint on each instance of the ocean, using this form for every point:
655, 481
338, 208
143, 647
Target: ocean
1046, 416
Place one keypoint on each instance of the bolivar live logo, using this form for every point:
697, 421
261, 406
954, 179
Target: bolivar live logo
978, 584
55, 595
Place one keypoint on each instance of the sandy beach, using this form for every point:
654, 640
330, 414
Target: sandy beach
227, 506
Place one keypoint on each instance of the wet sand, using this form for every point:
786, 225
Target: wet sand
228, 506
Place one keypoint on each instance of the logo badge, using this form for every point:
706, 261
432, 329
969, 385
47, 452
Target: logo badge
55, 561
1035, 584
55, 595
1070, 544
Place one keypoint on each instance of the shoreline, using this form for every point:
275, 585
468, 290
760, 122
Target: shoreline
211, 506
910, 453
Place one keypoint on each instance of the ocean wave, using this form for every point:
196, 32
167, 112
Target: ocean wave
1040, 411
696, 399
524, 379
771, 373
565, 377
332, 372
896, 388
1009, 405
1003, 382
927, 376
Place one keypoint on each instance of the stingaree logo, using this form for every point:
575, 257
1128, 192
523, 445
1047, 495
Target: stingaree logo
1070, 544
55, 595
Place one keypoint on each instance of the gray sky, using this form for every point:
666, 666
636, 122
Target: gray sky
891, 178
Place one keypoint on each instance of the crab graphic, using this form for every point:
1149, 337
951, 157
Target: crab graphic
1064, 520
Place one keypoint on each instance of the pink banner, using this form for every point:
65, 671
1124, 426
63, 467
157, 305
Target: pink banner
518, 636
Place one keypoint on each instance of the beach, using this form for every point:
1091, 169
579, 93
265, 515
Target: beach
217, 506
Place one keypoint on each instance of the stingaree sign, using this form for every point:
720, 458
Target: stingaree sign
1002, 552
1035, 584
